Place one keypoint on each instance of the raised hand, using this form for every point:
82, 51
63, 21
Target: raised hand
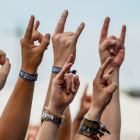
85, 103
64, 88
5, 68
64, 43
112, 46
32, 54
102, 92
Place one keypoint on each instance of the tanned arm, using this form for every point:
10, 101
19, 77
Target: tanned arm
15, 118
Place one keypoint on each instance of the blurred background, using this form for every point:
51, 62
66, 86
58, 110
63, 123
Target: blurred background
14, 16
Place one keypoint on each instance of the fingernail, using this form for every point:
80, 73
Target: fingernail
82, 24
48, 35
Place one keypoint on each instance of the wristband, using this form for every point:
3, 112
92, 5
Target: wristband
92, 128
51, 118
53, 113
27, 76
56, 69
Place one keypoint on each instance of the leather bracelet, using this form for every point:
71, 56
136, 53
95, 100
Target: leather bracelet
92, 128
27, 76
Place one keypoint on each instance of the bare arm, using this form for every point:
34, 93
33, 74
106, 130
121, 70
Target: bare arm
102, 95
16, 114
113, 47
64, 44
64, 88
84, 107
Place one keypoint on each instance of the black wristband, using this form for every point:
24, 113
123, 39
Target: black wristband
27, 76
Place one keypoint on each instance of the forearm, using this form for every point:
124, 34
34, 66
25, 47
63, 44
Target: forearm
75, 126
93, 114
111, 116
66, 126
48, 131
17, 112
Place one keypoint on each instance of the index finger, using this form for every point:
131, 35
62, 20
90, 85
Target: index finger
123, 33
61, 24
103, 68
29, 29
66, 67
104, 31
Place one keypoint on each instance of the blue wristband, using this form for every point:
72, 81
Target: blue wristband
27, 76
56, 69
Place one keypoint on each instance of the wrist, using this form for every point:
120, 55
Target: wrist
79, 116
56, 109
58, 64
29, 70
94, 114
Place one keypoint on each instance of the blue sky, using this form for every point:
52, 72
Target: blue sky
16, 13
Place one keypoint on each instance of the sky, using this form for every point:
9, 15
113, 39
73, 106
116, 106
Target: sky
15, 14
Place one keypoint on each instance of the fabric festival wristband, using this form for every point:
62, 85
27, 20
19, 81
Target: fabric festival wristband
92, 128
58, 69
27, 76
51, 118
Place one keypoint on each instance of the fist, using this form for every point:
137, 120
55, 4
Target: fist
5, 68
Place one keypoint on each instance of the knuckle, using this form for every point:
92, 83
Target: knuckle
68, 43
22, 42
55, 37
94, 82
62, 39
